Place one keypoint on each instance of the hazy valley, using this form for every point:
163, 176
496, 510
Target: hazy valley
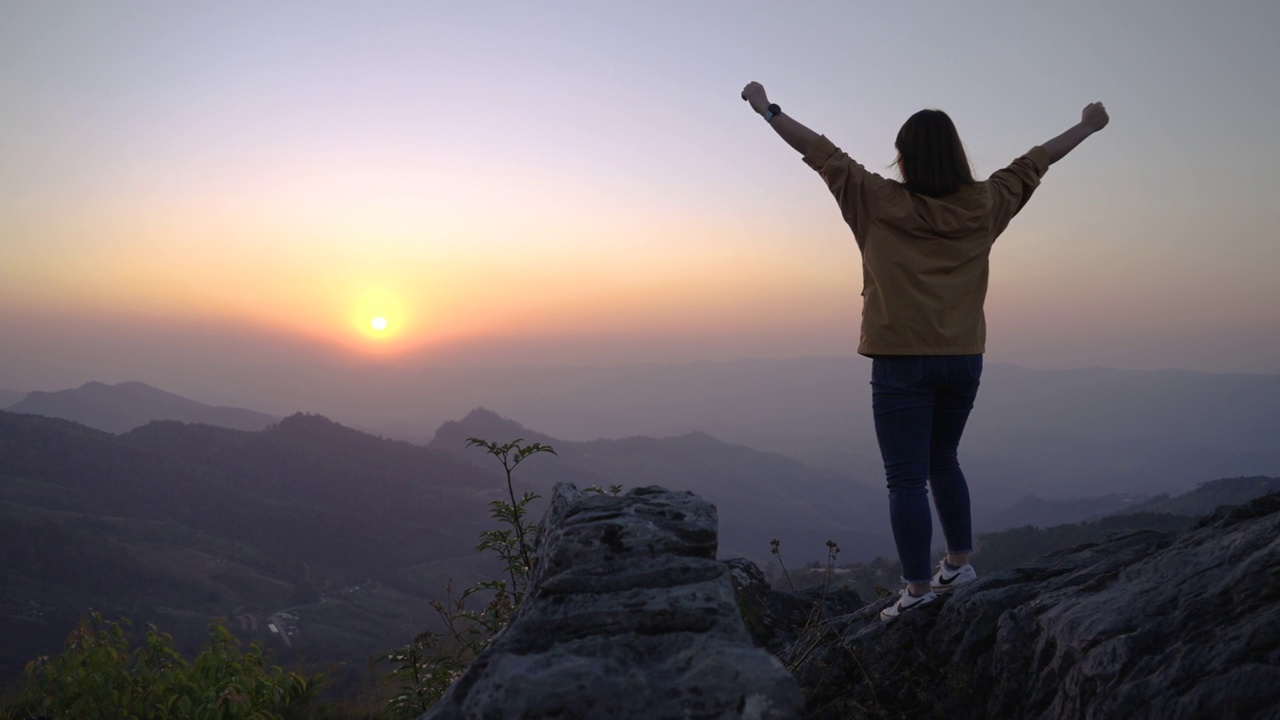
138, 501
1056, 434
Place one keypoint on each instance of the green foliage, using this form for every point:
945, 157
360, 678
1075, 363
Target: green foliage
422, 671
101, 675
515, 549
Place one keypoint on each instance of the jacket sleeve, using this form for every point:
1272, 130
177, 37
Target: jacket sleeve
860, 194
1012, 187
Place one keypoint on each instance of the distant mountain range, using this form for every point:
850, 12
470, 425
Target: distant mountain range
760, 496
1207, 496
746, 484
1043, 512
9, 397
176, 523
341, 537
125, 406
1113, 437
1054, 434
350, 533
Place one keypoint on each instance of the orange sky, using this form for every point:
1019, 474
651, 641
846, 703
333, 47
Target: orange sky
507, 183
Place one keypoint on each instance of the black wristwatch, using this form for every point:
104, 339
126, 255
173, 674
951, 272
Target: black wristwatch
771, 112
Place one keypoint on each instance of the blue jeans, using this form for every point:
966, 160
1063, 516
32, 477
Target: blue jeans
921, 404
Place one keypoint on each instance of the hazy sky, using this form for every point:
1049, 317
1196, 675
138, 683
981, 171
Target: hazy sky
246, 182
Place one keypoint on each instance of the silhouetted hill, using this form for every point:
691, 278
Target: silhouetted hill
122, 407
333, 483
1055, 434
1211, 495
1018, 545
180, 522
353, 533
1042, 512
9, 397
759, 495
1204, 499
486, 424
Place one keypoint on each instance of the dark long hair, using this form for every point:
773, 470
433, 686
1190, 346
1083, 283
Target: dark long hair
931, 155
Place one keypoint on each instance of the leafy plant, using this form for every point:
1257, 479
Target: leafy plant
514, 550
422, 671
101, 675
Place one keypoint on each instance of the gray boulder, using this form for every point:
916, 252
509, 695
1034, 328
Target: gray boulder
1142, 625
628, 615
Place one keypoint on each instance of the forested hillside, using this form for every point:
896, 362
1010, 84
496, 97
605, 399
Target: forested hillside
347, 533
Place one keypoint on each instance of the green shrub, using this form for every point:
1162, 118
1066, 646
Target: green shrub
100, 675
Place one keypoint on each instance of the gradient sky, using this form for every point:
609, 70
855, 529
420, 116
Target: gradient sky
579, 183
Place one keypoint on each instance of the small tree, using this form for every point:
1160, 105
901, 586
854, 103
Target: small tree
423, 670
511, 544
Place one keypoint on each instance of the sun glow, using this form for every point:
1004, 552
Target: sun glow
380, 322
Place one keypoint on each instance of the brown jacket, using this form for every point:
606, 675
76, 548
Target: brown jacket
924, 260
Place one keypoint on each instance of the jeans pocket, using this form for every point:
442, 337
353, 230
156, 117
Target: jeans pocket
897, 370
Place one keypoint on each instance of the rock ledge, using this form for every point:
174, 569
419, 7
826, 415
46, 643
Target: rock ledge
629, 615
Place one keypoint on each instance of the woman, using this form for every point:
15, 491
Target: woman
925, 244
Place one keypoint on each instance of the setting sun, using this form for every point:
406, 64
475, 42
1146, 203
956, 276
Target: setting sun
378, 320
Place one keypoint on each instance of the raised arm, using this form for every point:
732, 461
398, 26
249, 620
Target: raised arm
796, 135
1092, 119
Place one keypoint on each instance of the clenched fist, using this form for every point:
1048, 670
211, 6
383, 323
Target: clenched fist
753, 93
1094, 115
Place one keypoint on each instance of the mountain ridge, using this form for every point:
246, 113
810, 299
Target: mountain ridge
173, 522
177, 523
1055, 434
124, 406
348, 531
758, 493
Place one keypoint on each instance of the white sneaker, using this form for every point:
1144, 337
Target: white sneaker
906, 601
947, 580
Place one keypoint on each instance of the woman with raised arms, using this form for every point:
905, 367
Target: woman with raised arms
925, 243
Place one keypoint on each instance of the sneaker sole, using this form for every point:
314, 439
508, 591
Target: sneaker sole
903, 611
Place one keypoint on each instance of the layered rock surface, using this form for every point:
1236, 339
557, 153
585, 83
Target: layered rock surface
1143, 625
629, 615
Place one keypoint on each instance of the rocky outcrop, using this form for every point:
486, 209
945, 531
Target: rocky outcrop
1143, 625
629, 615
